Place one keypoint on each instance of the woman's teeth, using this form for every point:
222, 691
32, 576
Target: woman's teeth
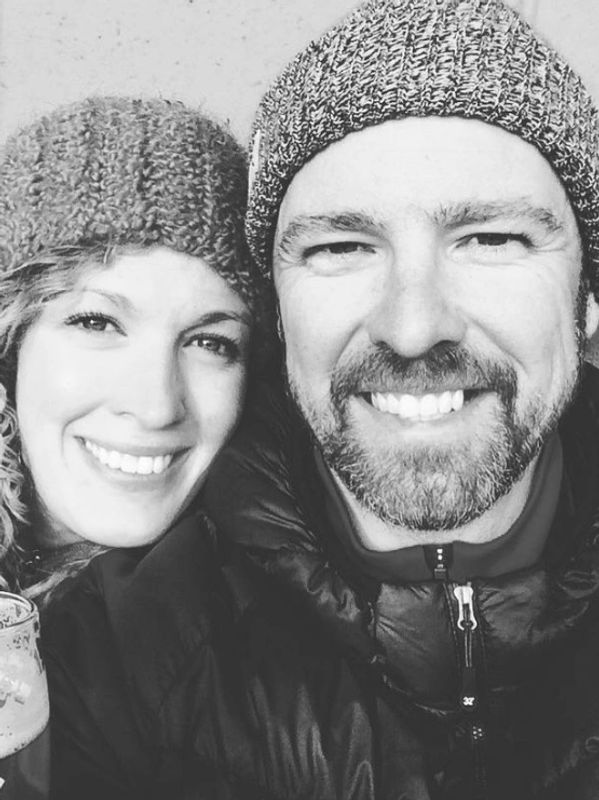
132, 465
418, 408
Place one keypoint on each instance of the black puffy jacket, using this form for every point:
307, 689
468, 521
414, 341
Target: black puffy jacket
263, 667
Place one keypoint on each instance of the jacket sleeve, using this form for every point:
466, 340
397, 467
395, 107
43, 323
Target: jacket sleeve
83, 761
96, 747
116, 644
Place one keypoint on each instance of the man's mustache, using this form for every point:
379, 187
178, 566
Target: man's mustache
444, 367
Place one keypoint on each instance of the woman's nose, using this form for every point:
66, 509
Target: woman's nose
151, 388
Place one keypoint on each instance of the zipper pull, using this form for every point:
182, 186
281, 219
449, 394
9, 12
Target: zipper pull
466, 617
467, 623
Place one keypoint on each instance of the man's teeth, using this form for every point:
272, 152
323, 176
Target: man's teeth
418, 408
133, 465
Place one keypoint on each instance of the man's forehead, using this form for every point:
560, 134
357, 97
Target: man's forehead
453, 170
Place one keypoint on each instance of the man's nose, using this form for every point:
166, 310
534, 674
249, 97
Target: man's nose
417, 305
152, 388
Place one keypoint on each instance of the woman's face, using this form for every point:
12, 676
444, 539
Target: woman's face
127, 388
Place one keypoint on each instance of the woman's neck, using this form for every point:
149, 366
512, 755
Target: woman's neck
46, 533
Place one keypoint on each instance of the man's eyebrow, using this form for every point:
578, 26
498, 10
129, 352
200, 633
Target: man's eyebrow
448, 215
476, 212
338, 222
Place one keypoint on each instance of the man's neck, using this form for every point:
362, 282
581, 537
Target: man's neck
381, 536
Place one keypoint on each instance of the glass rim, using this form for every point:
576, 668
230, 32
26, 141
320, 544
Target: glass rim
32, 610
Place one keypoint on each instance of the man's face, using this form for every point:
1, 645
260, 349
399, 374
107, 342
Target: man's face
428, 273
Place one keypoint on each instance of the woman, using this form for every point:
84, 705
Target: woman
129, 312
129, 315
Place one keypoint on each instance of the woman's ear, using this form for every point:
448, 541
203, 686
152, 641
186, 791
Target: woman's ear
592, 315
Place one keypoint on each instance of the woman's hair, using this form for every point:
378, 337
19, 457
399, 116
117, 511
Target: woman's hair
77, 188
23, 293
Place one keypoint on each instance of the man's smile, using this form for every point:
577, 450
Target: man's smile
417, 407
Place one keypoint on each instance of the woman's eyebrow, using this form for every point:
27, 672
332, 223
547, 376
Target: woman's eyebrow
209, 318
214, 317
336, 222
118, 299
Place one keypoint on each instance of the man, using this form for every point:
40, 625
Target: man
407, 601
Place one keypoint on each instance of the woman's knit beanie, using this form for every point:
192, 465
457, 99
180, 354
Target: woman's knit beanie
119, 171
414, 58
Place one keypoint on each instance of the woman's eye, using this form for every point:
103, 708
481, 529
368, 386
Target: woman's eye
95, 323
220, 346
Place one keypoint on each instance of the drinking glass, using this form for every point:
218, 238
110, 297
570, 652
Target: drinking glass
24, 707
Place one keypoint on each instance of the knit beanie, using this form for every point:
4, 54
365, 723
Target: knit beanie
391, 59
119, 171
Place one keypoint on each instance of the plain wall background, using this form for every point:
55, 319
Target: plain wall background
220, 54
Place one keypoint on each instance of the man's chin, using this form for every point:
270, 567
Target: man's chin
430, 509
428, 492
430, 485
430, 475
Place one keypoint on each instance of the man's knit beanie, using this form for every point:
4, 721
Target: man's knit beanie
119, 171
414, 58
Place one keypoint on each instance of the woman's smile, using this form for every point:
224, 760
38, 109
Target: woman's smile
125, 461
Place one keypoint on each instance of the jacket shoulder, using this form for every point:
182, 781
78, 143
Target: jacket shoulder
142, 614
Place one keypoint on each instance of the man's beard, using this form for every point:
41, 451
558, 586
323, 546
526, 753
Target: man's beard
434, 486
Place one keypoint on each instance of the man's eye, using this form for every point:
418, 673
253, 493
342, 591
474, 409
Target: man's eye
339, 249
497, 239
493, 247
95, 323
332, 258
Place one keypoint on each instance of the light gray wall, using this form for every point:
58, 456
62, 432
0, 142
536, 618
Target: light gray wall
221, 53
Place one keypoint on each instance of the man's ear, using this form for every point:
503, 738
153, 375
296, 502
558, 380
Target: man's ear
592, 315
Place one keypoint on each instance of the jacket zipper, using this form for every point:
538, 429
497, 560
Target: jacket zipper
467, 624
469, 699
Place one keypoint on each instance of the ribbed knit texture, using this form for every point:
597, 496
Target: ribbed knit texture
398, 58
127, 172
